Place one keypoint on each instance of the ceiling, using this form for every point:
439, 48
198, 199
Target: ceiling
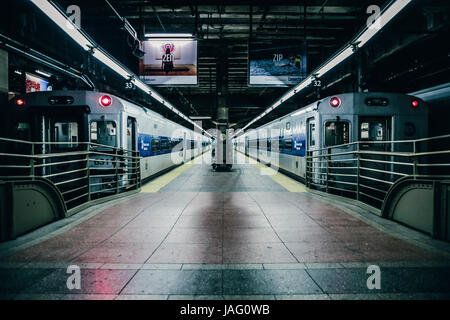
224, 28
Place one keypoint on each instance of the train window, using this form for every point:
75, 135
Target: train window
312, 134
288, 126
336, 133
165, 145
372, 131
66, 132
288, 144
104, 132
23, 131
364, 130
155, 145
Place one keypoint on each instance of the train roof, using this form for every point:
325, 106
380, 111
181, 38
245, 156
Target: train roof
67, 98
318, 102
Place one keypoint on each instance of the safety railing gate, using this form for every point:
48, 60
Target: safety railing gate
81, 171
366, 170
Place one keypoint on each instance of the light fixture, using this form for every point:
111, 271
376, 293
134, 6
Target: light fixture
337, 59
385, 17
63, 22
335, 102
105, 101
60, 18
360, 40
42, 73
169, 35
200, 117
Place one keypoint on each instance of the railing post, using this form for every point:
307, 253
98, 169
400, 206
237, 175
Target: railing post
328, 168
414, 159
32, 168
308, 167
88, 170
116, 158
358, 164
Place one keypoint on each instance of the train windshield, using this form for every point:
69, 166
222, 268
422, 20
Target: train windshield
336, 133
66, 132
104, 132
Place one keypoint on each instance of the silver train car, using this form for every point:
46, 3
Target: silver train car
334, 121
103, 119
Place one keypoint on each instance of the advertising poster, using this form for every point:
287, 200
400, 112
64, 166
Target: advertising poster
34, 83
169, 62
276, 62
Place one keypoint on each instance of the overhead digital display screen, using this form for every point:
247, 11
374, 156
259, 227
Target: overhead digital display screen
169, 62
34, 83
276, 62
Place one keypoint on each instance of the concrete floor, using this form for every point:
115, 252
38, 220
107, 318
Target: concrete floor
216, 235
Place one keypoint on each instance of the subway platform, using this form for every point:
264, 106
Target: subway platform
197, 234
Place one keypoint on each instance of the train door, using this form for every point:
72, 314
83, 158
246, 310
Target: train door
311, 144
60, 134
184, 146
375, 129
131, 146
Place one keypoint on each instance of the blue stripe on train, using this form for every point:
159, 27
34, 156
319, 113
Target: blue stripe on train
145, 145
298, 145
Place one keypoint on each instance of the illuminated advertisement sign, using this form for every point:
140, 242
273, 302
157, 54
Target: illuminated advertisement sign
34, 83
276, 62
169, 62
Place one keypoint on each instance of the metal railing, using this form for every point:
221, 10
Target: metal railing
81, 171
366, 170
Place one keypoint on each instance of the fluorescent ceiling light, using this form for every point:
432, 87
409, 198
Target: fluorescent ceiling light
169, 35
87, 44
45, 74
382, 20
111, 64
61, 20
200, 117
387, 15
340, 57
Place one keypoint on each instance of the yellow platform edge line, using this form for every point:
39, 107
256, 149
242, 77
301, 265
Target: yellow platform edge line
286, 182
161, 181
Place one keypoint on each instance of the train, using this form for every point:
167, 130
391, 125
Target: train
335, 122
67, 118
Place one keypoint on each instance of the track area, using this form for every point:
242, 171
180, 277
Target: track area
195, 233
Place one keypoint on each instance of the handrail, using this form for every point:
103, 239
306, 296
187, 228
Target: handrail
90, 172
379, 169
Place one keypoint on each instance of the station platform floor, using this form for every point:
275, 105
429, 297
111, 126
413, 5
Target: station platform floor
197, 234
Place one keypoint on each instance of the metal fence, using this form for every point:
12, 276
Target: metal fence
81, 171
366, 170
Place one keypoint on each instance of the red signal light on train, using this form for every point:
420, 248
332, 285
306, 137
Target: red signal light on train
335, 102
414, 103
20, 102
105, 101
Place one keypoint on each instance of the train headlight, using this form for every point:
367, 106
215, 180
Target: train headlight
105, 101
335, 102
414, 103
20, 102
